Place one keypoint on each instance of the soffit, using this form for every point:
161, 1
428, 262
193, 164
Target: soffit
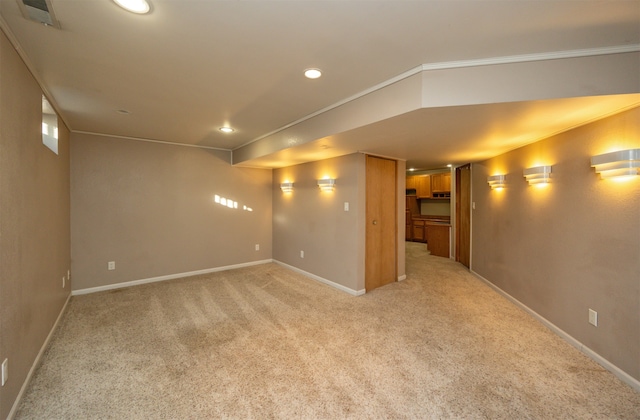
190, 67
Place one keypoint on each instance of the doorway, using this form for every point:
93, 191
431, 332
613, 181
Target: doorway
381, 222
463, 215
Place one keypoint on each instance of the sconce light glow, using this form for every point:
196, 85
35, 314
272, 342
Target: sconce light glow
136, 6
286, 187
326, 184
497, 182
538, 175
617, 164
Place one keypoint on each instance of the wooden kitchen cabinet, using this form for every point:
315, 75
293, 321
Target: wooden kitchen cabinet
419, 233
411, 182
437, 237
423, 186
441, 182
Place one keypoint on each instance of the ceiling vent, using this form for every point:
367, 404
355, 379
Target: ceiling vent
39, 11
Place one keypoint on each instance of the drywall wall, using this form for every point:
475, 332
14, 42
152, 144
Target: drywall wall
571, 246
315, 222
333, 240
150, 208
34, 223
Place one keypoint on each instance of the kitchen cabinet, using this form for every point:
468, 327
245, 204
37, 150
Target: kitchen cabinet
419, 231
408, 233
441, 182
411, 182
423, 186
437, 237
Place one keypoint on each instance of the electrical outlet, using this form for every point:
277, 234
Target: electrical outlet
301, 254
257, 247
5, 371
593, 317
111, 265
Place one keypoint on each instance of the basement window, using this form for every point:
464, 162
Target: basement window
49, 126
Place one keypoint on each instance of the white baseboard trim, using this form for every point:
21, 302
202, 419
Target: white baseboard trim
402, 277
164, 278
622, 375
322, 280
16, 403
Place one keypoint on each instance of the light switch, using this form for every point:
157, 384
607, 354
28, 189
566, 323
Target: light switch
346, 206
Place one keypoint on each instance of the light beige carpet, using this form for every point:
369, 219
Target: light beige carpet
264, 342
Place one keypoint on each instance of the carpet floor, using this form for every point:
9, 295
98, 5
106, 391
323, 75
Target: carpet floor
265, 342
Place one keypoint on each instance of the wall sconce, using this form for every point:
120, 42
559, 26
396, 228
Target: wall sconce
286, 187
497, 181
538, 175
620, 163
326, 184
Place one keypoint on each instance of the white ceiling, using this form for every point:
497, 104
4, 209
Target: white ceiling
191, 66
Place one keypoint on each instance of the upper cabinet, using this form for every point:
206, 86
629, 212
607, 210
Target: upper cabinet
421, 184
441, 185
430, 186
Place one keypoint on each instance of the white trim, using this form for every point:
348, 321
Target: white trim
164, 278
16, 403
525, 58
322, 280
150, 140
402, 277
622, 375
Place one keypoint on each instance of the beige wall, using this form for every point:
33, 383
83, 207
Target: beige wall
34, 223
309, 220
572, 245
150, 208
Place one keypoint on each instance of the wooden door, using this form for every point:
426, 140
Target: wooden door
381, 222
463, 215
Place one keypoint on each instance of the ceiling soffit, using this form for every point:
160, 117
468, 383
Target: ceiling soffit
498, 81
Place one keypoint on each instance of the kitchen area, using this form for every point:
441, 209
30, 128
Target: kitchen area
428, 210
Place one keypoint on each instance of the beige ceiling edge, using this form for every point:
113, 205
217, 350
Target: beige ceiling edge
393, 100
4, 26
568, 77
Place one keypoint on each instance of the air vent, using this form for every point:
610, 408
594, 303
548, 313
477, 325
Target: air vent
39, 11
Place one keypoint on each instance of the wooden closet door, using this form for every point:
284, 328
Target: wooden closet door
381, 222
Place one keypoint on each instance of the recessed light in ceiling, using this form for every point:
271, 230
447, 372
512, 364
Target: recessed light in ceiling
312, 73
226, 129
135, 6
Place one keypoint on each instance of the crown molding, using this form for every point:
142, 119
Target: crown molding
525, 58
115, 136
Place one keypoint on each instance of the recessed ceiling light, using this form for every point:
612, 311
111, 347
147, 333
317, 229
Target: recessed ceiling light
135, 6
412, 169
448, 165
226, 129
312, 73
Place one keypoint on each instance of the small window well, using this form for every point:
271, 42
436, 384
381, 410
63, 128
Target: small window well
49, 126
